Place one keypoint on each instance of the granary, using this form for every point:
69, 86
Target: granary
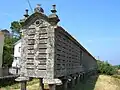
50, 53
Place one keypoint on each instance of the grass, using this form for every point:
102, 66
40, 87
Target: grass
101, 82
31, 85
17, 85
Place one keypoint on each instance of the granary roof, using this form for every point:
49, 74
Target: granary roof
36, 15
39, 13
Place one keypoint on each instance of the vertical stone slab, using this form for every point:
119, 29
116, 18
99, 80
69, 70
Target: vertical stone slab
22, 81
65, 84
1, 47
52, 87
23, 85
78, 79
50, 53
23, 52
41, 85
73, 82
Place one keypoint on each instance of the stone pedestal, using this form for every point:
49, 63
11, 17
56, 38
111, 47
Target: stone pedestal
65, 84
52, 87
78, 79
52, 83
23, 81
73, 82
41, 85
23, 85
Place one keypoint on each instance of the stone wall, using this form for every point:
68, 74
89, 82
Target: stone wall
1, 47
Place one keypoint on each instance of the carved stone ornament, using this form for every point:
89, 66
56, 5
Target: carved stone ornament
38, 22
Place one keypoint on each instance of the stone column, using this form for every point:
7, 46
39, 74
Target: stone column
65, 84
52, 86
23, 80
73, 82
41, 85
52, 83
78, 79
23, 85
83, 76
69, 83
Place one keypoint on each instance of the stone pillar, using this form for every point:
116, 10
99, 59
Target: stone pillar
83, 76
23, 80
69, 83
73, 82
52, 87
23, 85
41, 85
65, 84
52, 83
78, 79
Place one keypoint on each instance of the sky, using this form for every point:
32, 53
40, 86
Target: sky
94, 23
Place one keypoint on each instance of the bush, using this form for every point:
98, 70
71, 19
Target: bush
106, 68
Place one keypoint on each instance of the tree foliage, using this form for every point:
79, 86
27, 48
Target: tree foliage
106, 68
15, 27
117, 66
8, 49
7, 52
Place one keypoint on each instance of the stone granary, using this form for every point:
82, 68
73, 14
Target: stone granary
50, 53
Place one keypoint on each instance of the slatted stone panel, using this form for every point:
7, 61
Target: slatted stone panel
67, 54
35, 40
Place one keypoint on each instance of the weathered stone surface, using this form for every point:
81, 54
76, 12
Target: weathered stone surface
49, 52
52, 81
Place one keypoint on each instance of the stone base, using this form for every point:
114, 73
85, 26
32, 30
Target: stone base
19, 79
52, 81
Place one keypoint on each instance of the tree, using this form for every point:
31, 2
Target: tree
8, 49
7, 52
106, 68
15, 27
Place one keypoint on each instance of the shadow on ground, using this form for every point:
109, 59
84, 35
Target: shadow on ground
86, 84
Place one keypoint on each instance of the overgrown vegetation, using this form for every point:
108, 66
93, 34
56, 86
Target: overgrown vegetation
106, 68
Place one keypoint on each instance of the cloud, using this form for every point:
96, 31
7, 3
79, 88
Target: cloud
6, 14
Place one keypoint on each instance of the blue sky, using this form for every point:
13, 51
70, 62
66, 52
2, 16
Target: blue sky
94, 23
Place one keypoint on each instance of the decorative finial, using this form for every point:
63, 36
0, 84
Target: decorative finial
38, 8
26, 13
54, 9
53, 18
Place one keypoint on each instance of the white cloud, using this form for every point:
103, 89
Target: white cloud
89, 41
6, 14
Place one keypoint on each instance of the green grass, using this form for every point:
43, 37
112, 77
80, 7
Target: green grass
17, 85
100, 82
